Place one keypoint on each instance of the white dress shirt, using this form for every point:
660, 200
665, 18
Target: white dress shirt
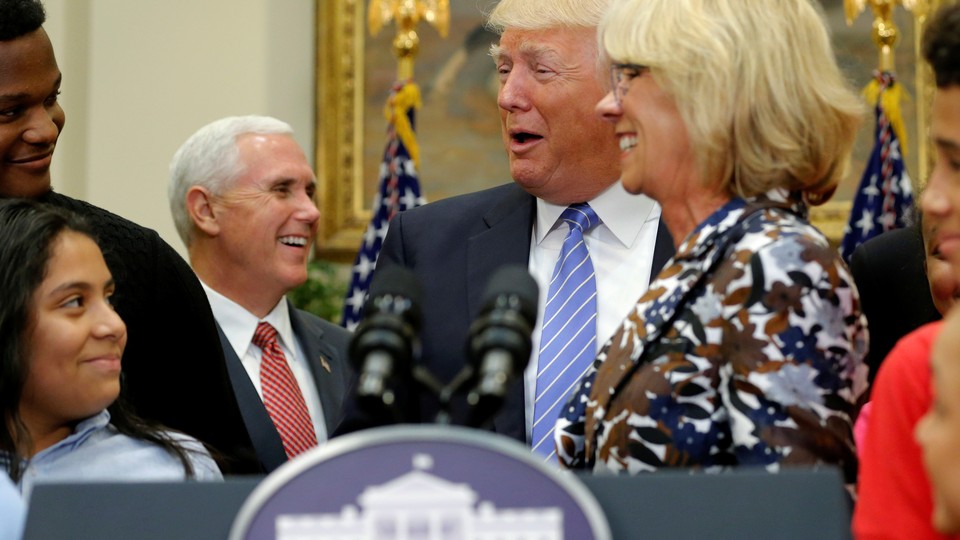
239, 325
621, 249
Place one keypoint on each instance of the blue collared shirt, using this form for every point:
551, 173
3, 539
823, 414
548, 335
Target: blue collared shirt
97, 452
12, 511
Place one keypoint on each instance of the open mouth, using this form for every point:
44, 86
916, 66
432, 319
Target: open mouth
524, 137
294, 241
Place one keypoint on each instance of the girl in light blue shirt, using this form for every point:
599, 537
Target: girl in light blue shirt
61, 345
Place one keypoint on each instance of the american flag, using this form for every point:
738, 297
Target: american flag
399, 190
884, 200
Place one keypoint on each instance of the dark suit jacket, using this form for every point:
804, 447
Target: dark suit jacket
894, 292
318, 338
454, 246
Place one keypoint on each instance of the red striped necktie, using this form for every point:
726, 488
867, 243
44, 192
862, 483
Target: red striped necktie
281, 395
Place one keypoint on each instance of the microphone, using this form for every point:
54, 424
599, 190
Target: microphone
387, 339
499, 345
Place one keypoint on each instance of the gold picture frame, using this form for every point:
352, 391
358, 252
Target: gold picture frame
339, 113
343, 111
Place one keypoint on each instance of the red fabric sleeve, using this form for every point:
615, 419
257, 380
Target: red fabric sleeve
894, 499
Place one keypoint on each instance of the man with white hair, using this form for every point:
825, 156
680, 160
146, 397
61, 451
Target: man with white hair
564, 160
241, 193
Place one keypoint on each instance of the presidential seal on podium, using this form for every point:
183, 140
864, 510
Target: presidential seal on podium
420, 482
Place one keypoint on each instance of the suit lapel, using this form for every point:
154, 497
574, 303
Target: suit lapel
319, 355
506, 240
662, 250
263, 434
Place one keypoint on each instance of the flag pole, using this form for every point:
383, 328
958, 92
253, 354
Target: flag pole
884, 198
399, 185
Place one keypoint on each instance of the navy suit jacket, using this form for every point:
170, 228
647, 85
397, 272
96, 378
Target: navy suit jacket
318, 339
454, 246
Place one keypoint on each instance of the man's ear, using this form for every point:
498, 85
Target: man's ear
199, 203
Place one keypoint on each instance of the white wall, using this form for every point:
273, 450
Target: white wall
141, 75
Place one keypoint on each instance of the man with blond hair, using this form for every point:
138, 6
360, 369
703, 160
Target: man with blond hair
564, 160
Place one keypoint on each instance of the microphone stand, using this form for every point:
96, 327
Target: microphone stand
443, 392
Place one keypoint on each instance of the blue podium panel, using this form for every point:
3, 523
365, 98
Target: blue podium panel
796, 504
136, 511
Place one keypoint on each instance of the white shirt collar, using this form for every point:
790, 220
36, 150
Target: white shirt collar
621, 213
239, 325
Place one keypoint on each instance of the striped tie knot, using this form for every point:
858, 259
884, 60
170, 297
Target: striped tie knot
581, 215
568, 338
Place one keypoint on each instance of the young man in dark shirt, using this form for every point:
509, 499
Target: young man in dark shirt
173, 367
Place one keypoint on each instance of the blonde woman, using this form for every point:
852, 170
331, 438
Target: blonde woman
747, 349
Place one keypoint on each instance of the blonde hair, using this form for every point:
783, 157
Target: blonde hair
541, 14
756, 83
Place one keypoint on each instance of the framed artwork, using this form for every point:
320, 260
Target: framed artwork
458, 127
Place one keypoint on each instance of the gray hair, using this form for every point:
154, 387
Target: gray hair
210, 158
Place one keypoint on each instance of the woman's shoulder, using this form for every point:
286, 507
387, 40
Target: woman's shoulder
106, 454
782, 238
773, 226
777, 243
204, 466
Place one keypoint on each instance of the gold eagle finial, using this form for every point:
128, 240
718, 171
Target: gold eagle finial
408, 14
885, 32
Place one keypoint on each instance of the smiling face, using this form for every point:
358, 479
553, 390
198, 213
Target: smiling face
30, 116
941, 197
74, 342
944, 285
549, 80
266, 223
938, 432
655, 154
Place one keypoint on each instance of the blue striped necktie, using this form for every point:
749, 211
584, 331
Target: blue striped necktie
568, 341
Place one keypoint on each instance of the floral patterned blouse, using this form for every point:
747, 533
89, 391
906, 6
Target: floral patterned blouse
746, 350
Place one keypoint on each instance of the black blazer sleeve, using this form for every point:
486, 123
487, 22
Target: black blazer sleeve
894, 293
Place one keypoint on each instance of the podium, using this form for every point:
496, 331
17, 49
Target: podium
793, 504
742, 503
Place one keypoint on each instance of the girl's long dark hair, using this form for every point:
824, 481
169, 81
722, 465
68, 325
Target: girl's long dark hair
28, 229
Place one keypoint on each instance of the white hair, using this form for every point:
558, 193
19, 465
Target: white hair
210, 158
